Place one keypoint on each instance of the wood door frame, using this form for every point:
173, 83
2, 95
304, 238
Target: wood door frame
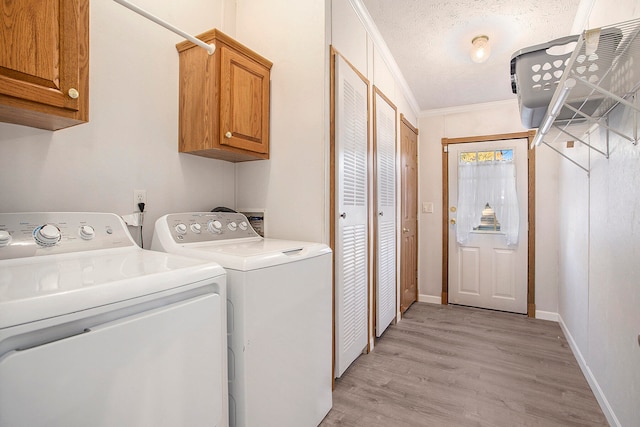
531, 215
413, 129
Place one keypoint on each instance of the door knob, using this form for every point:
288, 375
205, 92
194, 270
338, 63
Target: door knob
228, 135
381, 214
343, 215
453, 222
405, 230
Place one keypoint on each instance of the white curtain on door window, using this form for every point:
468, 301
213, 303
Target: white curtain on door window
487, 182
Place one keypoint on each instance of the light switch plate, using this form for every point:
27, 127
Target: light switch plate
427, 207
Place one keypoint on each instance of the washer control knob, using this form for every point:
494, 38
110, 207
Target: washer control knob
47, 235
214, 226
196, 228
87, 232
181, 229
5, 238
243, 225
232, 226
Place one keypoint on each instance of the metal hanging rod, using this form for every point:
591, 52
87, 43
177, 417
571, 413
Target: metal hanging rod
208, 47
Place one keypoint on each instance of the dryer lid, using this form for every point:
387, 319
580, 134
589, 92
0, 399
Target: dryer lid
252, 254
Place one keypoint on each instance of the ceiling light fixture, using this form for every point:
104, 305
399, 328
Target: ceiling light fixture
480, 49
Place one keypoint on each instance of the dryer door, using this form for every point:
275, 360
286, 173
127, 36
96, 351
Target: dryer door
161, 367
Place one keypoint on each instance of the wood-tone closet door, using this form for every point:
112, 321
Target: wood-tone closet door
409, 208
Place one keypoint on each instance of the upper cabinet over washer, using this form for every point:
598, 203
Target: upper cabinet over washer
224, 100
44, 63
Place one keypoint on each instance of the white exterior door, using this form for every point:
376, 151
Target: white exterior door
484, 270
351, 247
385, 152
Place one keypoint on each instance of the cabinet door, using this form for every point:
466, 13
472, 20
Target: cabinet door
244, 103
39, 53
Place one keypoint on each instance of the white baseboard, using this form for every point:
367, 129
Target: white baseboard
430, 299
547, 315
593, 383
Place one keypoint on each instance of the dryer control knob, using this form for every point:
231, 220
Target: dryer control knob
181, 229
196, 228
214, 226
87, 232
232, 226
5, 238
243, 225
47, 235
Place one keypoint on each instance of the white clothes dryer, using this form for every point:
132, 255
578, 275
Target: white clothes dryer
279, 316
95, 331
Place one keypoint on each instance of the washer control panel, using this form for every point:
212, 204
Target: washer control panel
30, 234
205, 226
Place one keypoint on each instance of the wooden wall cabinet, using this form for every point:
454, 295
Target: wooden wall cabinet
44, 63
224, 100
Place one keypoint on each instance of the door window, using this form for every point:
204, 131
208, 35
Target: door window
487, 198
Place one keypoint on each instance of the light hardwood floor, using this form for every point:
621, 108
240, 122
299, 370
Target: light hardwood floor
460, 366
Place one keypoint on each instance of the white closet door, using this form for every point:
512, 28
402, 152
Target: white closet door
385, 131
351, 216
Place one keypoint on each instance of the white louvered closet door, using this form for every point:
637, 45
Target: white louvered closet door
351, 217
385, 131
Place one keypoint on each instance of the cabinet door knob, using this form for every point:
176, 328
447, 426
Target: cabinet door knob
453, 222
405, 230
343, 215
73, 93
228, 135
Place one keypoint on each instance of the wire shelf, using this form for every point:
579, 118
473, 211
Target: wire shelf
602, 73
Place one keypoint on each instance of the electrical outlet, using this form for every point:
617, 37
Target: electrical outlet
139, 196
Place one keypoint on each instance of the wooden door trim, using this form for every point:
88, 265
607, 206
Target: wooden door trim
332, 204
531, 215
408, 123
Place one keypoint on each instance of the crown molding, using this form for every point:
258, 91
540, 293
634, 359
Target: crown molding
469, 108
373, 32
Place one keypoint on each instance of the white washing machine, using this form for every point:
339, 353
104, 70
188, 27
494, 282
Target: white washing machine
279, 316
95, 331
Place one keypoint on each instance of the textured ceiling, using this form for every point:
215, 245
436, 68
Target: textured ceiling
431, 40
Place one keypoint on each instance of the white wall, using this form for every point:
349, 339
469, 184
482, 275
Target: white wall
131, 140
600, 248
573, 205
292, 185
475, 120
599, 270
